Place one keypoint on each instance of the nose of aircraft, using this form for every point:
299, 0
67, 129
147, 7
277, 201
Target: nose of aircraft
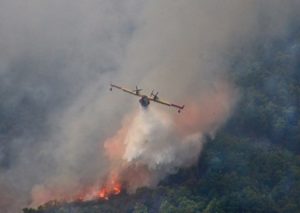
144, 101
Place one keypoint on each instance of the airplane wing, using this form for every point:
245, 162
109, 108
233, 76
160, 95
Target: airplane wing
167, 104
125, 90
160, 101
136, 92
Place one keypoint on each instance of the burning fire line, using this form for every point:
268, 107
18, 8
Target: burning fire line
103, 193
106, 192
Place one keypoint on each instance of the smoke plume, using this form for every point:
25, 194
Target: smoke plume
62, 131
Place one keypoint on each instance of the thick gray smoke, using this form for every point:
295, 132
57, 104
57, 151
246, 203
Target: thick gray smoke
61, 129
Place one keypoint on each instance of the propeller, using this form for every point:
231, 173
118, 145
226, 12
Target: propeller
137, 90
154, 95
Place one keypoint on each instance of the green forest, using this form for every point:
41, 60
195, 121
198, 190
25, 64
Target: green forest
252, 164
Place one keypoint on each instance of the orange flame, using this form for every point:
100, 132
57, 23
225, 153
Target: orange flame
111, 188
114, 188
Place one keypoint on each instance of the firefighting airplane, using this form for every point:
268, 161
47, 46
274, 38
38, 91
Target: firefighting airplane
145, 100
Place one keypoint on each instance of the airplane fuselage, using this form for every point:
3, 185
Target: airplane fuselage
144, 101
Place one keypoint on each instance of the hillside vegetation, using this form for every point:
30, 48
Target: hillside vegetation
252, 165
